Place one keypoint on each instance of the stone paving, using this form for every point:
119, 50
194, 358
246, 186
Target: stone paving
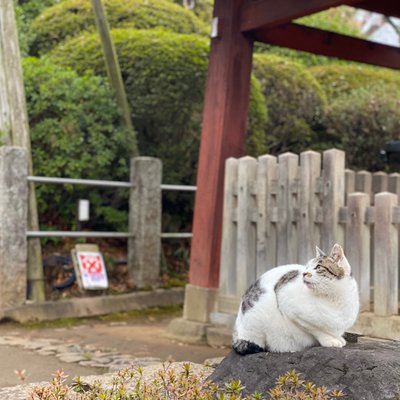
84, 355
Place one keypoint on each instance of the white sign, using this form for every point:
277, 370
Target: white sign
92, 269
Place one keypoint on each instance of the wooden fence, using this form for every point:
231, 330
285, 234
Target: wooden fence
276, 209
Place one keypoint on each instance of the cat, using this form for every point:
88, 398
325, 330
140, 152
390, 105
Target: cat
293, 307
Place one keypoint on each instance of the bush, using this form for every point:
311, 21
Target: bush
339, 79
360, 123
202, 8
74, 127
71, 17
164, 76
295, 103
170, 383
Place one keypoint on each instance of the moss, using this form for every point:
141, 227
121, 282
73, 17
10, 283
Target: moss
339, 79
71, 17
153, 313
295, 103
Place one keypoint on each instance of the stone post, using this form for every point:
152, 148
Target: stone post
13, 226
145, 222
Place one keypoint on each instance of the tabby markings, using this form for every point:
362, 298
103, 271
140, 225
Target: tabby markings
251, 296
286, 278
246, 347
330, 266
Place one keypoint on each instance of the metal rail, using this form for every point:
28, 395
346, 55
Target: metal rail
72, 181
74, 234
182, 188
182, 235
92, 182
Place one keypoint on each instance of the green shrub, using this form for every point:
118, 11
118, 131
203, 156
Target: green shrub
71, 17
165, 77
74, 127
202, 8
339, 79
173, 384
295, 103
360, 123
32, 8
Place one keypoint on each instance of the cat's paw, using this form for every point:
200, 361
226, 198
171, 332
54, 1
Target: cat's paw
246, 347
332, 342
343, 340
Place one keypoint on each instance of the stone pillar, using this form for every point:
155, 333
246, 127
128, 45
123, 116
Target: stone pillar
13, 226
144, 247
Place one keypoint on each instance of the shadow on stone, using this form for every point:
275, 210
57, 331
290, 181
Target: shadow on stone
366, 371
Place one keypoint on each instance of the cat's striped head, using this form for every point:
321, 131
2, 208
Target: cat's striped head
324, 270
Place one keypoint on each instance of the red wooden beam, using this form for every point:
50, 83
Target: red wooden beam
267, 13
391, 8
223, 135
317, 41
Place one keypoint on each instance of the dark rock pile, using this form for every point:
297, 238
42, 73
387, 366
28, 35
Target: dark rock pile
363, 371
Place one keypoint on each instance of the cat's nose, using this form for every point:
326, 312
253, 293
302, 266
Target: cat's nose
307, 274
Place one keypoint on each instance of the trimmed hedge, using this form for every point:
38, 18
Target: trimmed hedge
360, 123
74, 127
340, 79
165, 76
71, 17
295, 103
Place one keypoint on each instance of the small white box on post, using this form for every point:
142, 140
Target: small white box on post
83, 210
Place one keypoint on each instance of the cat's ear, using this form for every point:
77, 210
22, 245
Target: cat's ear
319, 252
337, 253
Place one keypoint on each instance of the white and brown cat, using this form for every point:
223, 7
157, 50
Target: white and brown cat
292, 307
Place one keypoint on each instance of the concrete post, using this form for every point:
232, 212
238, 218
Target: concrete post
145, 222
13, 226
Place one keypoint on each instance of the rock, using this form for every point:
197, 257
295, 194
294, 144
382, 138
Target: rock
365, 371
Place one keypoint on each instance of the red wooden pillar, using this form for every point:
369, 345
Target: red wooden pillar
223, 136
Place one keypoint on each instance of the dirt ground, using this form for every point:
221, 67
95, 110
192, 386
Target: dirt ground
139, 337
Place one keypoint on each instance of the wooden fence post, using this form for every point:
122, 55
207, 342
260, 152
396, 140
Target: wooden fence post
364, 182
13, 226
386, 243
394, 184
227, 272
310, 170
145, 221
246, 228
286, 232
350, 181
379, 182
333, 198
358, 244
266, 204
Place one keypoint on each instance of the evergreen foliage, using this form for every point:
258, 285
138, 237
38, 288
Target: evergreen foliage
340, 79
70, 17
164, 75
295, 103
74, 127
360, 122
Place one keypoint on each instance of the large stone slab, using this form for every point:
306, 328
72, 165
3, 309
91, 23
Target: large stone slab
365, 371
